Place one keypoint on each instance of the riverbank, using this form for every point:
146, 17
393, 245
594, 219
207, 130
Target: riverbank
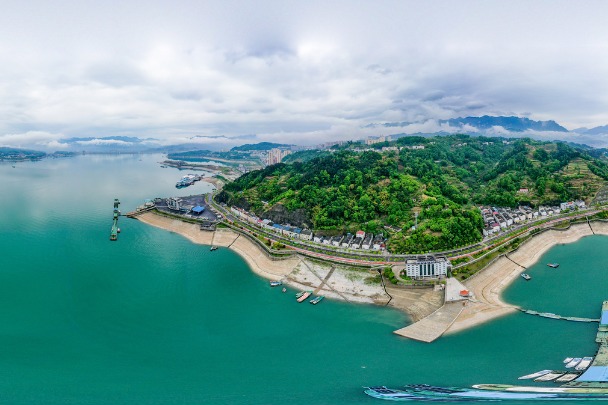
355, 285
487, 285
333, 281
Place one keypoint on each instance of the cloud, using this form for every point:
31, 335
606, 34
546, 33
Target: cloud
33, 139
295, 72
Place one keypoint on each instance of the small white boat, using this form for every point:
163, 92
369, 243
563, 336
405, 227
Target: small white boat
525, 276
534, 375
549, 377
568, 360
585, 362
567, 377
573, 362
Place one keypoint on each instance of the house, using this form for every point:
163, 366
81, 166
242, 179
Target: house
277, 228
326, 240
356, 243
367, 242
378, 241
335, 241
347, 240
360, 234
317, 238
306, 234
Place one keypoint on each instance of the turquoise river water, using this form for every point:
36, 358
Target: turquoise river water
155, 319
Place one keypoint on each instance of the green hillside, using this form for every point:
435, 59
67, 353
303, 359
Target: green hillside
383, 191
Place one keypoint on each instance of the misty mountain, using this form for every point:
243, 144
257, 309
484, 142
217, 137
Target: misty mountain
513, 124
258, 146
593, 131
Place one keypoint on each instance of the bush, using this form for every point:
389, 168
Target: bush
388, 273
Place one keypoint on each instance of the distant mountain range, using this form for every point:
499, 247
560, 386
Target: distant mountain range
512, 124
486, 122
485, 125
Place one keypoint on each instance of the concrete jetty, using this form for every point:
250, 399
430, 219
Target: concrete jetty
433, 326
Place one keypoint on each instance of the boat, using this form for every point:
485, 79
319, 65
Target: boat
118, 230
554, 265
567, 377
534, 375
525, 276
568, 360
304, 296
213, 248
299, 294
585, 362
284, 289
317, 299
549, 377
484, 393
276, 283
574, 362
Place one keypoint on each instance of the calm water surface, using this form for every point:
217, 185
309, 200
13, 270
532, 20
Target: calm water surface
154, 319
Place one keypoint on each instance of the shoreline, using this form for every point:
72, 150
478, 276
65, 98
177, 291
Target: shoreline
342, 283
332, 281
488, 284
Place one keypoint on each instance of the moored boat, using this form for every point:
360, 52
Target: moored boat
574, 362
534, 375
304, 296
585, 362
276, 283
568, 360
549, 377
554, 265
525, 276
213, 248
567, 377
299, 294
317, 299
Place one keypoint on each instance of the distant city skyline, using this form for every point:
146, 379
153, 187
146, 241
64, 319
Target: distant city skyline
225, 73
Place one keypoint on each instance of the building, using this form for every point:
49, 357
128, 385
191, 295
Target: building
378, 241
174, 203
275, 156
347, 240
377, 139
336, 240
306, 234
427, 267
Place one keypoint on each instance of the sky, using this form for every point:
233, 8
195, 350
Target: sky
293, 71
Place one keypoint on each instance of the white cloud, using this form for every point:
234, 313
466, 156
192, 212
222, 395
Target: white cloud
295, 71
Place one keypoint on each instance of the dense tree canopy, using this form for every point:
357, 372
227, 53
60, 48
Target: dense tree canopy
376, 191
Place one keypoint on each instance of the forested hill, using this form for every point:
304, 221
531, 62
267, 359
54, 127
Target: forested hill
382, 191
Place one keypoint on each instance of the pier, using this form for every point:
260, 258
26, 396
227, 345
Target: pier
115, 229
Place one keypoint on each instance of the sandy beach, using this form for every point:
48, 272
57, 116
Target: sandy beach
488, 285
337, 281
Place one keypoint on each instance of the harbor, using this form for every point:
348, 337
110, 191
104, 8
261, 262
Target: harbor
588, 380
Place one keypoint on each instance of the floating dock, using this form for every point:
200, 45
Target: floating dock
115, 230
554, 316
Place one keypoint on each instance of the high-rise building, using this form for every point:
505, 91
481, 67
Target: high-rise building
275, 156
